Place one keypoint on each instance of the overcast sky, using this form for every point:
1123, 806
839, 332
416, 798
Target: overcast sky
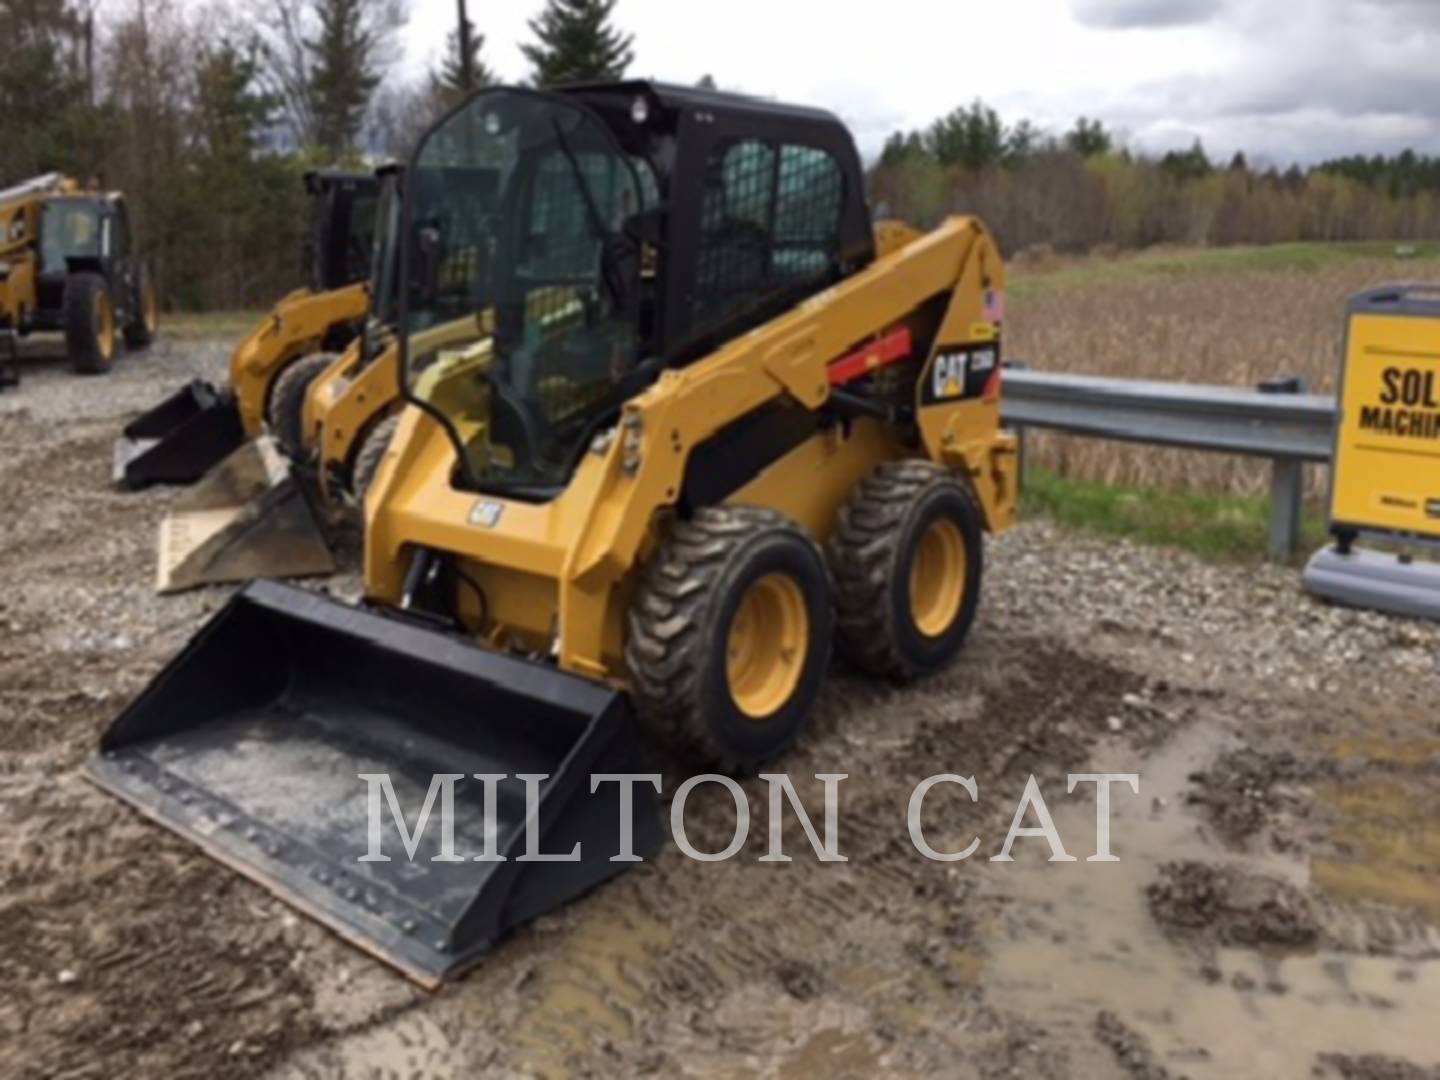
1283, 80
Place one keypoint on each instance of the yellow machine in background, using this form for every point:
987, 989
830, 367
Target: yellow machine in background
305, 332
68, 263
681, 423
347, 415
246, 516
1385, 476
193, 430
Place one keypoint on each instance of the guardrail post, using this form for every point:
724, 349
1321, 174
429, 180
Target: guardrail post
1287, 485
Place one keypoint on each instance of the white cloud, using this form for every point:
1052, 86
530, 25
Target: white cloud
1128, 14
1280, 79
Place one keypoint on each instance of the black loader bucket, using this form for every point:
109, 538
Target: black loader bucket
179, 440
253, 741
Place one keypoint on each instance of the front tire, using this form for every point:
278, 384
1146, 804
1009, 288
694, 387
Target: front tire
730, 635
89, 317
908, 559
367, 459
286, 411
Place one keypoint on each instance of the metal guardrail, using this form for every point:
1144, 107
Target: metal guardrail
1277, 421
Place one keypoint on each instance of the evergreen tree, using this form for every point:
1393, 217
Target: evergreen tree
903, 146
1192, 164
343, 75
577, 43
230, 110
1088, 138
462, 71
240, 207
42, 88
974, 137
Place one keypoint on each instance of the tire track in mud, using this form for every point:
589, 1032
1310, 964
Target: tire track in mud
775, 963
122, 950
881, 964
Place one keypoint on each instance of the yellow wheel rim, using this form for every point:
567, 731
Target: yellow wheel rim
105, 326
937, 577
766, 646
151, 309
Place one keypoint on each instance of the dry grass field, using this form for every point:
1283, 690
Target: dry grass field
1232, 316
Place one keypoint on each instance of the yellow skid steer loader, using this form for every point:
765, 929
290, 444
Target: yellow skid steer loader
186, 435
347, 411
245, 515
706, 425
266, 510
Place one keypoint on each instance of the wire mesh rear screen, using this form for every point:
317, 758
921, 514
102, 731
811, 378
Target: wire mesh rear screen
769, 230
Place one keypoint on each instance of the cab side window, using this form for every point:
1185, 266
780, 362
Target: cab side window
769, 230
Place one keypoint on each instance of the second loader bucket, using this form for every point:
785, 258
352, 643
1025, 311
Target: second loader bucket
179, 440
255, 741
248, 518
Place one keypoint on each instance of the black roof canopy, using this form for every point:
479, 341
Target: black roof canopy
682, 132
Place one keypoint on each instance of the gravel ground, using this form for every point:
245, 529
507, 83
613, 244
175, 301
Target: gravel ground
1273, 911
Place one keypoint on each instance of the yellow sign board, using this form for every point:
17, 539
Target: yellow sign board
1386, 472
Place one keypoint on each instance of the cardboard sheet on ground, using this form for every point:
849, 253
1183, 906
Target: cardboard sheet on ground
247, 518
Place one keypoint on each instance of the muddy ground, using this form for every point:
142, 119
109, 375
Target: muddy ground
1273, 912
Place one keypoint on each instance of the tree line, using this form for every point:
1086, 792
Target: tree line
1083, 190
208, 116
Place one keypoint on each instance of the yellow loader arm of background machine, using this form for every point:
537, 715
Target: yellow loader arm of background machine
556, 574
344, 404
295, 327
350, 399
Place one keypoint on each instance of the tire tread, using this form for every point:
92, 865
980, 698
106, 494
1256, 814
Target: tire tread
863, 552
666, 644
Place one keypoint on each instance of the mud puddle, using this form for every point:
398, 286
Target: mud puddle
1078, 949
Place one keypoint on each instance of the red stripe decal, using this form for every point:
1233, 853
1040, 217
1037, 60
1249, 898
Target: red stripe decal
877, 354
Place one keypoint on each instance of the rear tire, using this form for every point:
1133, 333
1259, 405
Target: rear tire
89, 317
908, 559
368, 458
286, 411
145, 319
730, 634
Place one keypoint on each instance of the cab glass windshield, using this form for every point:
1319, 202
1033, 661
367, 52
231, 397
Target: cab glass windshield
69, 229
385, 252
520, 284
